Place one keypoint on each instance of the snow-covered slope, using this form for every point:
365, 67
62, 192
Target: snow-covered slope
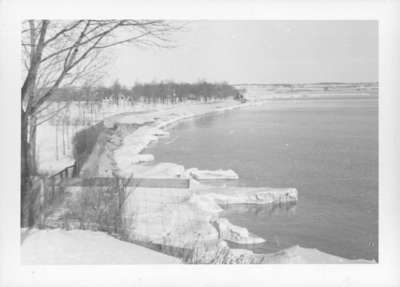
85, 247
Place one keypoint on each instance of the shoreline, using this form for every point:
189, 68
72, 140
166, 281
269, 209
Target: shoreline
195, 210
152, 126
164, 125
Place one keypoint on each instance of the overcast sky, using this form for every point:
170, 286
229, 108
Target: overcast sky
257, 52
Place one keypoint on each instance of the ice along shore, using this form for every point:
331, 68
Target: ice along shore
184, 221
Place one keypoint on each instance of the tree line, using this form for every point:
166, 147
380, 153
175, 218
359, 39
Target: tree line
155, 92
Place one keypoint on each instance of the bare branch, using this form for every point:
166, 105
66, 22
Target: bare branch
53, 114
63, 31
35, 59
72, 48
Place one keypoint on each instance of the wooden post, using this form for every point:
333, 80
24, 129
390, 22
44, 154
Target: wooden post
120, 194
42, 201
53, 188
76, 168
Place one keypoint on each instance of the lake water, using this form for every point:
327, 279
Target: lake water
326, 148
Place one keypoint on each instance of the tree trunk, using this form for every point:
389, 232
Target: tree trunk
63, 135
28, 168
25, 184
56, 133
32, 146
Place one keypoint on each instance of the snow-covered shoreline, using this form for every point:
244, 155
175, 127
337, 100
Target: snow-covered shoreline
153, 125
204, 200
78, 247
183, 218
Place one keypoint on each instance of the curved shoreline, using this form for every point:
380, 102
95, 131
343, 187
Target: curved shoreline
135, 132
153, 133
153, 125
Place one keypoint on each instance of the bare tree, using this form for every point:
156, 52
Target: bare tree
65, 52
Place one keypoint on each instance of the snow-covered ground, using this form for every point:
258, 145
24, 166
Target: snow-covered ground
85, 247
82, 247
54, 137
53, 154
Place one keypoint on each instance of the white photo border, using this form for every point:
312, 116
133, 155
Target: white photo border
385, 273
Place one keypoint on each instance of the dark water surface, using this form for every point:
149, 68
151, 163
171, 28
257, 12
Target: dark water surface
327, 149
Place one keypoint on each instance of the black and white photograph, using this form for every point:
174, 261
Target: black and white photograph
205, 142
154, 141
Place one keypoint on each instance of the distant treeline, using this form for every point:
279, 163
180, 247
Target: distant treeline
163, 92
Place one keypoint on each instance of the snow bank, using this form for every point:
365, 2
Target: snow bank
159, 170
138, 118
167, 216
220, 253
85, 247
212, 174
183, 217
140, 158
129, 164
300, 255
206, 204
137, 141
179, 218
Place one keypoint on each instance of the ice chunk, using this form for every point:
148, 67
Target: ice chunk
237, 234
139, 158
247, 195
211, 174
160, 170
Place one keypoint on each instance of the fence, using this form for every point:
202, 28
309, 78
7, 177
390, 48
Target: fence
97, 202
68, 172
128, 182
48, 193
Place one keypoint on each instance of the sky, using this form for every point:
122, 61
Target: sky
256, 52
